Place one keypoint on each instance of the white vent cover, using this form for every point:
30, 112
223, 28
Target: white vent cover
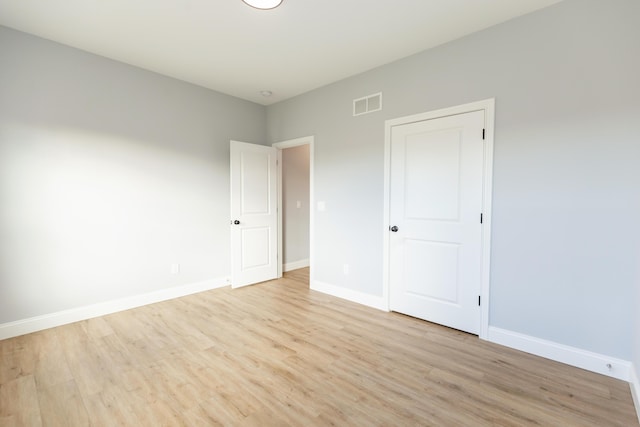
367, 104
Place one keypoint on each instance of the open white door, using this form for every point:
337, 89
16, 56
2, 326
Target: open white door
254, 216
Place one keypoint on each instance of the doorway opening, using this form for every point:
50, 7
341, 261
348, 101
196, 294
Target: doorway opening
295, 205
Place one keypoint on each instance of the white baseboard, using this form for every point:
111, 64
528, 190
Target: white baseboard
39, 323
296, 265
350, 295
634, 383
594, 362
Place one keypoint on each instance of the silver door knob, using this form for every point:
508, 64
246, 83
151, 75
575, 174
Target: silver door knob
394, 229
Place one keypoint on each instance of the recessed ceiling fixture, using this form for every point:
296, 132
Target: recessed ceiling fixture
263, 4
266, 93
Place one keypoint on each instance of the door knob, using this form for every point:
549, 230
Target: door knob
236, 222
394, 228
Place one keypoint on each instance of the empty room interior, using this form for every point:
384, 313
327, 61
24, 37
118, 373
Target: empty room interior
320, 213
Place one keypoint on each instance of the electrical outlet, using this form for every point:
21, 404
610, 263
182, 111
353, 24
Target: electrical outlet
345, 269
298, 204
175, 268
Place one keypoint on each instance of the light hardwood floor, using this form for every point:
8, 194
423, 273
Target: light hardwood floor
279, 354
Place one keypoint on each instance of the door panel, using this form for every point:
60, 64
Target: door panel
255, 247
254, 181
432, 168
254, 205
436, 201
435, 260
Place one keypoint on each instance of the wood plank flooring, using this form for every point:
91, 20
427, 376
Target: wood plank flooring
278, 354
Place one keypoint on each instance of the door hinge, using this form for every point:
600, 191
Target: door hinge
482, 133
478, 299
481, 219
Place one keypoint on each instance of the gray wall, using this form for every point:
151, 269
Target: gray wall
565, 230
108, 175
295, 188
636, 330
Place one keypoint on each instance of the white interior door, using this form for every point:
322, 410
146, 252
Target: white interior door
435, 265
254, 216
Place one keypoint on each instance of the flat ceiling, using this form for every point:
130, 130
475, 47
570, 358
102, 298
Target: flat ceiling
229, 47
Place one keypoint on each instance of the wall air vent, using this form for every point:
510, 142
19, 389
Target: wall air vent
367, 104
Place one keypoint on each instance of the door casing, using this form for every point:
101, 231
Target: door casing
488, 106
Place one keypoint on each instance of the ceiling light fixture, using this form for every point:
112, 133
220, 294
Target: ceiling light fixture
266, 93
263, 4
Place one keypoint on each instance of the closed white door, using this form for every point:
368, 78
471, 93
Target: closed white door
254, 216
435, 212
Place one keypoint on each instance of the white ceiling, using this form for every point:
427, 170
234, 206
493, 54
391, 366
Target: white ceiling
229, 47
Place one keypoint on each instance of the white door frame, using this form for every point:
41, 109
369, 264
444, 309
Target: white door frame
306, 140
488, 106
